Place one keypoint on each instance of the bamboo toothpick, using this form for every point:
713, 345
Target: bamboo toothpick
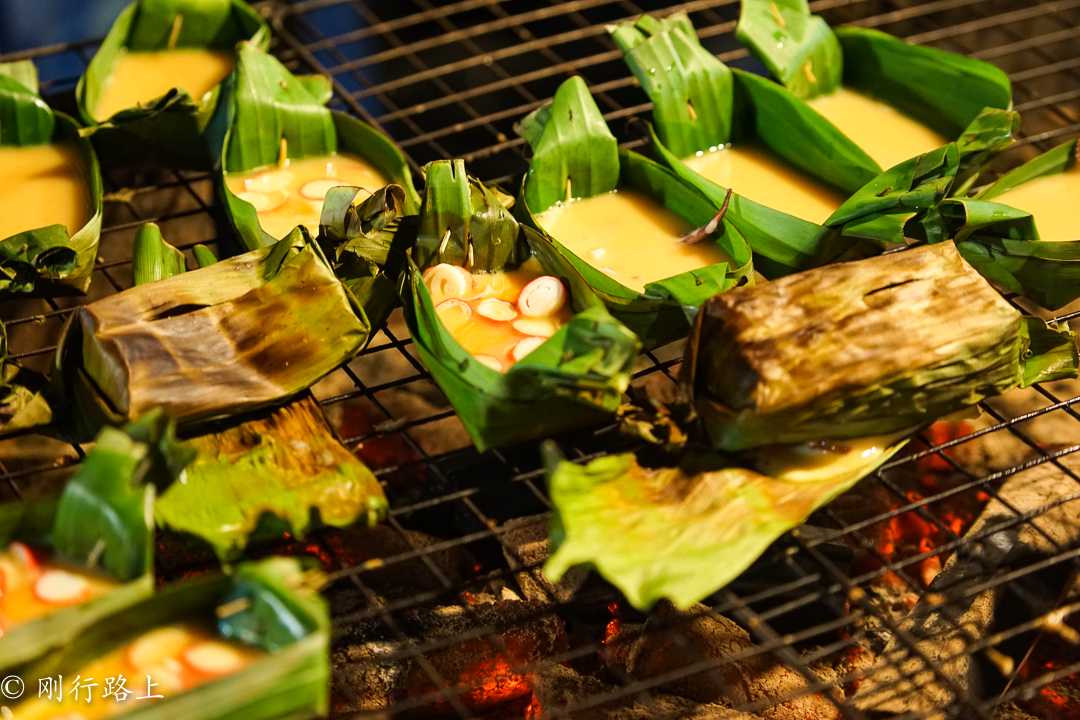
808, 70
283, 153
174, 34
776, 14
690, 109
445, 241
569, 196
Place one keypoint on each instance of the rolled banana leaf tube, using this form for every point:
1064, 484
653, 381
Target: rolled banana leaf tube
243, 333
71, 562
861, 348
282, 150
647, 243
253, 644
573, 374
50, 211
894, 99
684, 532
150, 91
1022, 230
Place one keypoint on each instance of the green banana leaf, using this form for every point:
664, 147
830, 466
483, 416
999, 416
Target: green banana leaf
572, 144
167, 130
287, 466
23, 394
152, 258
278, 613
243, 333
102, 520
759, 369
575, 378
683, 534
263, 105
45, 261
942, 90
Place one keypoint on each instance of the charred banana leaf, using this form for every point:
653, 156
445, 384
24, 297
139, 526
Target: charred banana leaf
573, 147
168, 130
576, 377
267, 115
46, 261
238, 335
270, 606
102, 522
24, 399
862, 348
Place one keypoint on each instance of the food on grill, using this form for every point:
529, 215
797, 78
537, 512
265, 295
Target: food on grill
621, 219
33, 585
152, 87
23, 403
50, 210
284, 150
868, 347
893, 99
293, 194
1048, 199
572, 378
498, 317
252, 645
136, 78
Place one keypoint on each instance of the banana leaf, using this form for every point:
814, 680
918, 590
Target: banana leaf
279, 472
241, 334
169, 129
263, 106
862, 348
942, 90
152, 258
101, 521
1003, 242
575, 378
268, 605
45, 261
23, 394
572, 144
683, 533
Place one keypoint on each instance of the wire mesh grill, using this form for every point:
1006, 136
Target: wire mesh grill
449, 81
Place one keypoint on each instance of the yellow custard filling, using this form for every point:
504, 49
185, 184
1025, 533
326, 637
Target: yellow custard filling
33, 586
42, 185
1052, 202
139, 77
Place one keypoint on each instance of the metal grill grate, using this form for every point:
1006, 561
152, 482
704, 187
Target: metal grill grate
450, 81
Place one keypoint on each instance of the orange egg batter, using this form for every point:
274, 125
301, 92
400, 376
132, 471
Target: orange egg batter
32, 586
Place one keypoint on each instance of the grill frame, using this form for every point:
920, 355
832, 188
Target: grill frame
523, 49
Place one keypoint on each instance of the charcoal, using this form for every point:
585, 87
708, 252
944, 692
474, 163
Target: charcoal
526, 548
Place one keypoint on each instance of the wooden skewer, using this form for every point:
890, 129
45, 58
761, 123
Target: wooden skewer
776, 14
283, 153
174, 34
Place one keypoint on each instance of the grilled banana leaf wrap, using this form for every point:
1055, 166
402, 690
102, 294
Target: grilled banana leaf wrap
573, 147
574, 379
700, 104
266, 111
271, 606
1003, 243
46, 261
168, 130
803, 386
101, 521
24, 400
957, 96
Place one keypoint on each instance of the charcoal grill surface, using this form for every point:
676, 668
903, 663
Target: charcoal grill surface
449, 80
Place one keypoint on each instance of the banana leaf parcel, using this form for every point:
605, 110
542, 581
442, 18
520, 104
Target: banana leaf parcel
861, 349
238, 335
23, 394
699, 105
46, 261
572, 146
168, 130
101, 521
1003, 243
575, 378
954, 95
268, 606
267, 115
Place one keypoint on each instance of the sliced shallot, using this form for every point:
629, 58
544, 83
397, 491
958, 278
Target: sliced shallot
213, 658
269, 181
59, 587
447, 281
526, 346
495, 309
317, 189
453, 313
264, 202
488, 361
542, 297
537, 327
152, 649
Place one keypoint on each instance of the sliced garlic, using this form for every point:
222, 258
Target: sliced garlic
264, 201
543, 296
526, 346
491, 362
153, 648
269, 181
59, 587
447, 281
537, 327
317, 189
213, 658
495, 309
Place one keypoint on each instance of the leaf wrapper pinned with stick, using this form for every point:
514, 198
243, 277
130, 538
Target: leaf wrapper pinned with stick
168, 130
575, 378
46, 261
